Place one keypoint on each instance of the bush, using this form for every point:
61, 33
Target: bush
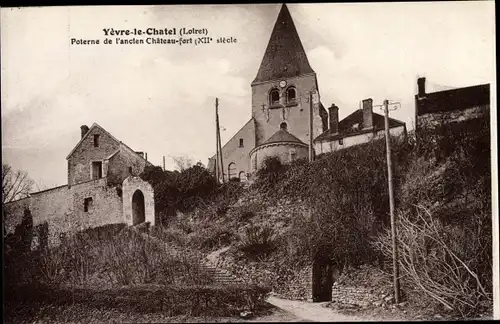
444, 219
442, 262
180, 190
108, 256
258, 242
171, 300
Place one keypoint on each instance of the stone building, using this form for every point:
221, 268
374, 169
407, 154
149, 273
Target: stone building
450, 106
103, 188
286, 105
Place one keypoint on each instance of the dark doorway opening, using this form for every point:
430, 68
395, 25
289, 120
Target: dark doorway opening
138, 213
322, 280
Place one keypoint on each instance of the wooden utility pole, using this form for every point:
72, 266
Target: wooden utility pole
219, 144
310, 126
395, 261
164, 163
216, 142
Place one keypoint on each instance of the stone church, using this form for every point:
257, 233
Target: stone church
286, 106
103, 187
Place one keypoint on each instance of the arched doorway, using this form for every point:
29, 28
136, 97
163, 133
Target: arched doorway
138, 215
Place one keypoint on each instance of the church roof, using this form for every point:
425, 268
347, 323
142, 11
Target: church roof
353, 125
285, 55
282, 136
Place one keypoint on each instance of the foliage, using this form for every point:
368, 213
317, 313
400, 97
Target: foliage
270, 172
444, 218
182, 190
19, 242
438, 260
109, 255
347, 196
258, 241
172, 300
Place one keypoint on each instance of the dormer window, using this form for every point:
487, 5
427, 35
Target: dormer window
274, 97
96, 140
291, 95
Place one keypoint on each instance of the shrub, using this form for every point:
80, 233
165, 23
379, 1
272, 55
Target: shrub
270, 172
182, 190
442, 261
211, 236
258, 242
171, 300
109, 256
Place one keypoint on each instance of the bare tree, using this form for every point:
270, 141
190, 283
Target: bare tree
182, 162
15, 184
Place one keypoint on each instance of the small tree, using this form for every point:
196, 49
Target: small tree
15, 184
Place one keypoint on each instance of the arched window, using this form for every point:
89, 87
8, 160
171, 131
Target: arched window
231, 170
243, 176
283, 126
291, 95
274, 97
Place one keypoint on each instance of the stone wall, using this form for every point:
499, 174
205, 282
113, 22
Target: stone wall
119, 164
233, 153
430, 120
281, 150
363, 287
80, 161
296, 116
129, 187
63, 208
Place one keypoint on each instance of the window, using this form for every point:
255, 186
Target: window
232, 170
274, 97
241, 142
129, 170
87, 204
293, 155
96, 170
96, 140
283, 126
243, 176
341, 141
291, 95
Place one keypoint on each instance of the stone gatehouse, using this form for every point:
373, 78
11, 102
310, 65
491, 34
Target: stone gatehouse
103, 187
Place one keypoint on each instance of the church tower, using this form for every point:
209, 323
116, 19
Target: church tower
281, 89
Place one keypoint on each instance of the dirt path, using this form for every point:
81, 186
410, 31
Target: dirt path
315, 312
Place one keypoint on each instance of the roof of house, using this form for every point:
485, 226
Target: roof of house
455, 99
94, 125
347, 126
285, 55
282, 136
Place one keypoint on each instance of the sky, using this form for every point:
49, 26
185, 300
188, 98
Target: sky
160, 98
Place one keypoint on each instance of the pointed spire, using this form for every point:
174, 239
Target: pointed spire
285, 55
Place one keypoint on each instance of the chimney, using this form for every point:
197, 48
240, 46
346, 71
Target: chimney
368, 113
421, 87
146, 156
140, 153
333, 111
84, 129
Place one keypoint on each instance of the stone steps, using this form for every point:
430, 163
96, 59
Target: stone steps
219, 275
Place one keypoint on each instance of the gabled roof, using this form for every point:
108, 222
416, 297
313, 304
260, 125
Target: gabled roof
346, 126
285, 55
94, 125
454, 99
282, 136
